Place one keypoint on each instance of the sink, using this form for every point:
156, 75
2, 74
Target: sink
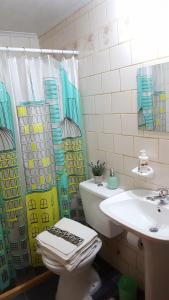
150, 221
133, 211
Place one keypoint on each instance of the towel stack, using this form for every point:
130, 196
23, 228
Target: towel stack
68, 243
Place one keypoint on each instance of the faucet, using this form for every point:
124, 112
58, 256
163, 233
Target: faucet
163, 193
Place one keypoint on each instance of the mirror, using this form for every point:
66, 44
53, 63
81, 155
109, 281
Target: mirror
153, 97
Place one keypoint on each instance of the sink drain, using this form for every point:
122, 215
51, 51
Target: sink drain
153, 229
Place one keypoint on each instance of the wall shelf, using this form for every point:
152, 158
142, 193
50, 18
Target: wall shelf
148, 174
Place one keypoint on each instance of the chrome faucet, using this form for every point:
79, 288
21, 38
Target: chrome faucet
163, 193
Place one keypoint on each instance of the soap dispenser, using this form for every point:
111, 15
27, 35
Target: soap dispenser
112, 181
143, 162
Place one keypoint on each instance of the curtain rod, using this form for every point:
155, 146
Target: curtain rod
52, 51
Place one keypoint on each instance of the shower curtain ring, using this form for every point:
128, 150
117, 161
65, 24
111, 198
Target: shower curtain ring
53, 53
62, 54
24, 51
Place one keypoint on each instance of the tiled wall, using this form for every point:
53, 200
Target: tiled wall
18, 39
114, 38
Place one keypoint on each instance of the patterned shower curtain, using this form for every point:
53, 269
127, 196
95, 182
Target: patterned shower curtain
42, 154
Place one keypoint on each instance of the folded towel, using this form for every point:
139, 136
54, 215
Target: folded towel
76, 260
76, 239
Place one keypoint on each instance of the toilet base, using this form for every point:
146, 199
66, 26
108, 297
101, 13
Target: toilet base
78, 286
95, 282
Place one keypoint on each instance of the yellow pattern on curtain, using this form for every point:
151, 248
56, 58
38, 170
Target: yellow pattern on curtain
42, 213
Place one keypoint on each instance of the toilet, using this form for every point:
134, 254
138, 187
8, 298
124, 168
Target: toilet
83, 281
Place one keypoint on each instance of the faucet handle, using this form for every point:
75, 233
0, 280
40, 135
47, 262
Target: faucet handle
163, 192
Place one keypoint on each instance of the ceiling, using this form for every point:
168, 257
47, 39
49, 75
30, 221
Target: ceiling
37, 16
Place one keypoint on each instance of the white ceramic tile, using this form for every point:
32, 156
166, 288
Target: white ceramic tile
83, 87
105, 142
93, 85
119, 8
142, 183
91, 43
128, 78
103, 104
126, 181
114, 161
150, 145
101, 62
163, 47
101, 155
129, 164
92, 140
108, 35
95, 123
134, 101
83, 26
82, 47
123, 145
164, 151
167, 122
120, 56
122, 102
67, 32
98, 16
125, 29
91, 156
85, 66
152, 134
129, 124
111, 81
86, 123
98, 123
88, 105
112, 10
142, 53
163, 135
161, 172
112, 123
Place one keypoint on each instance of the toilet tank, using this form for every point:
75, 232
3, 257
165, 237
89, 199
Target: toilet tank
92, 195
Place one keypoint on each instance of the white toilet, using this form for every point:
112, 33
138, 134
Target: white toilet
80, 283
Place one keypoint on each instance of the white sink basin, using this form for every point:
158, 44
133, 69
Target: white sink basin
132, 211
135, 213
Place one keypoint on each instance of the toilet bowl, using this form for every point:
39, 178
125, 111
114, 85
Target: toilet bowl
83, 281
78, 284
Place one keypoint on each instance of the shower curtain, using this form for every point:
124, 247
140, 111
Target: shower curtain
42, 153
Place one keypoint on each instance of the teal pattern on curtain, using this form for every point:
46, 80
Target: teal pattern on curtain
69, 144
41, 148
13, 235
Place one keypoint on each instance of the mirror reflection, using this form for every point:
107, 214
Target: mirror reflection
153, 97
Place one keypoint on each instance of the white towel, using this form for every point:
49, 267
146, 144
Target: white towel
77, 259
64, 251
